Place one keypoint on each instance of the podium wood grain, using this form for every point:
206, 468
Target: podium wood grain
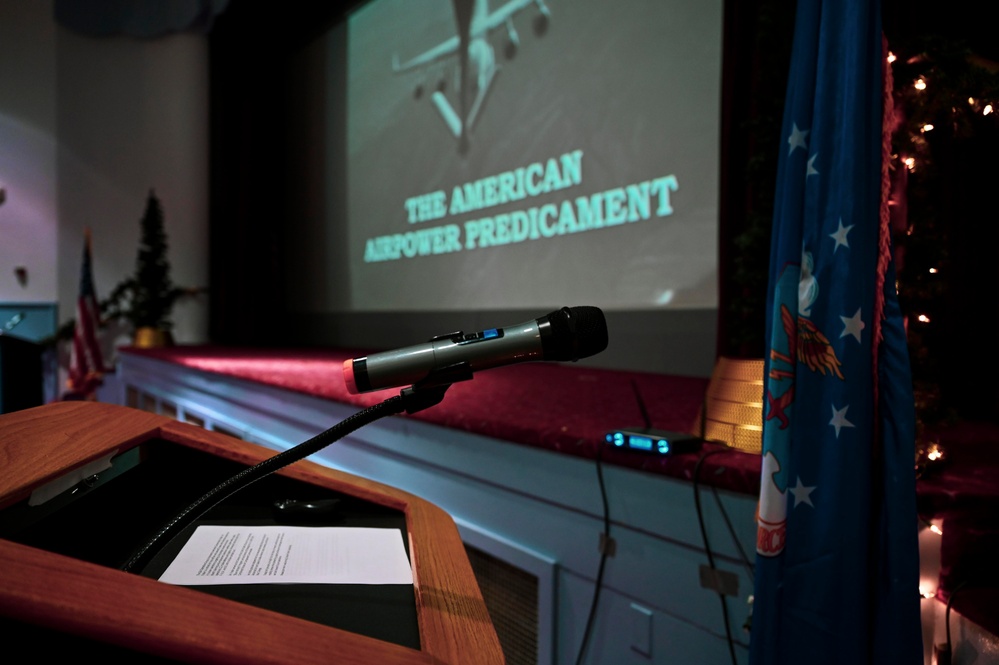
68, 595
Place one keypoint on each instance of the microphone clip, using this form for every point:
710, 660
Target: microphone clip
429, 391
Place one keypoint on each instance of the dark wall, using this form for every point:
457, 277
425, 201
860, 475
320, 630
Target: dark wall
756, 60
250, 46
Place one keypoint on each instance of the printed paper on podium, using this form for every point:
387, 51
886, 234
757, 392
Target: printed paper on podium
218, 554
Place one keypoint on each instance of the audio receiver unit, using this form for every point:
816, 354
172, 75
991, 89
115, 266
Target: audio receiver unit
652, 441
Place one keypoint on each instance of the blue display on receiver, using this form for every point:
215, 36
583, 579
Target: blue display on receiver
653, 441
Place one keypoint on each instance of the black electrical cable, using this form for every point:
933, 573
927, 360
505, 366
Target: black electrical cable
707, 548
735, 538
605, 545
950, 602
728, 522
700, 521
646, 420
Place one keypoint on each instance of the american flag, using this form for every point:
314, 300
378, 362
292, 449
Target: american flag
86, 360
837, 569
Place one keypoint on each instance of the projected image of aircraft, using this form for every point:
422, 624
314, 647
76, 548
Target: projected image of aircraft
477, 67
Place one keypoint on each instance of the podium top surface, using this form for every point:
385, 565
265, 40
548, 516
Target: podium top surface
68, 595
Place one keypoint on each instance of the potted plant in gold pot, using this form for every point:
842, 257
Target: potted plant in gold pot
146, 299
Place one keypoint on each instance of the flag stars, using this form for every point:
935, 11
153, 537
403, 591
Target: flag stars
810, 169
797, 139
802, 494
839, 420
840, 236
852, 325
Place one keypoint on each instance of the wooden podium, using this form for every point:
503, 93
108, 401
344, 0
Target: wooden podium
20, 374
54, 585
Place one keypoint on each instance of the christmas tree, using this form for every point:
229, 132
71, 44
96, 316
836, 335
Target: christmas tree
146, 299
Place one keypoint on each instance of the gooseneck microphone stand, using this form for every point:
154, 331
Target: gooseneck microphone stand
421, 395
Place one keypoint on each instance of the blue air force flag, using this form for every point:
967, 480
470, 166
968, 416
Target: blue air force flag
837, 558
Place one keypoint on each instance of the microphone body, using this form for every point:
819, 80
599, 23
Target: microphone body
565, 334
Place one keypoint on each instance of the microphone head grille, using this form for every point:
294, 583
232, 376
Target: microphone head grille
577, 332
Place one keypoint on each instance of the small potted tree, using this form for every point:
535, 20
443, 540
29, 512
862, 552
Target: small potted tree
146, 299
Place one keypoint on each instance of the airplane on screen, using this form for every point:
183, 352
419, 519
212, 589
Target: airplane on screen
476, 59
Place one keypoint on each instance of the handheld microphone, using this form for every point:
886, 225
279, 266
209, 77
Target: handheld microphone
569, 334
